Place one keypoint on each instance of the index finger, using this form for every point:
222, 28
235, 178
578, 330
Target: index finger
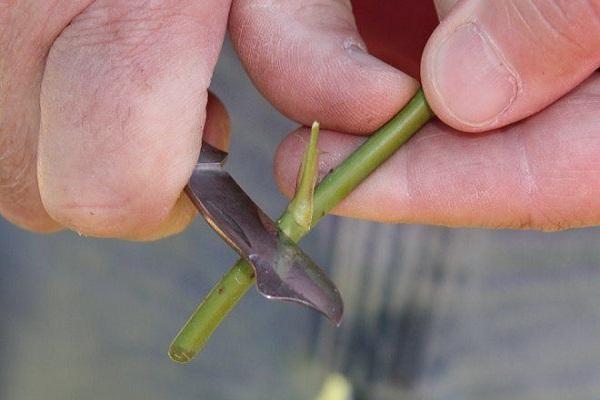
308, 58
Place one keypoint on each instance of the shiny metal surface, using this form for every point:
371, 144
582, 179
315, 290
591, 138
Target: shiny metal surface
283, 271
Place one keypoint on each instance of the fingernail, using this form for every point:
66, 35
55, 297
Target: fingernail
473, 81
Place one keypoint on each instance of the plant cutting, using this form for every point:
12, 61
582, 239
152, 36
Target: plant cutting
307, 207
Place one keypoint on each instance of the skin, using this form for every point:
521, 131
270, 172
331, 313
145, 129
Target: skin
104, 101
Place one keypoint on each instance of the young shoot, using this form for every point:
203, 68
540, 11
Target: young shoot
300, 207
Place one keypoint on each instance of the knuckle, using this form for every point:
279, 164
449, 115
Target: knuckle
132, 24
131, 42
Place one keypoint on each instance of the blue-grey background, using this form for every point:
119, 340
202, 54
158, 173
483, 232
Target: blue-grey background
431, 313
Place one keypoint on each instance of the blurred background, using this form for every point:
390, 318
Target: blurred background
431, 313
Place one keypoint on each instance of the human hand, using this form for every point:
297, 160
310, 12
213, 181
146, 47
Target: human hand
103, 104
488, 64
115, 93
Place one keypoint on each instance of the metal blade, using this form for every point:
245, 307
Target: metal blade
283, 270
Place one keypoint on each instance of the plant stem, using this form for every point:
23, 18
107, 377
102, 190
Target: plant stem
209, 314
332, 190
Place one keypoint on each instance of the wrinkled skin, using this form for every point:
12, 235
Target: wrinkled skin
103, 105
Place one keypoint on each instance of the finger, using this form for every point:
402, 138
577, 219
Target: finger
308, 59
122, 109
542, 173
217, 133
27, 29
491, 63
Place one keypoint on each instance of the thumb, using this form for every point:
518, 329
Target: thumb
491, 63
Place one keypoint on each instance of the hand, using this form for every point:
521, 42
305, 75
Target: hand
487, 65
103, 101
115, 93
103, 104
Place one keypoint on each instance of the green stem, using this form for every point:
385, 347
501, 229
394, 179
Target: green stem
209, 314
332, 190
